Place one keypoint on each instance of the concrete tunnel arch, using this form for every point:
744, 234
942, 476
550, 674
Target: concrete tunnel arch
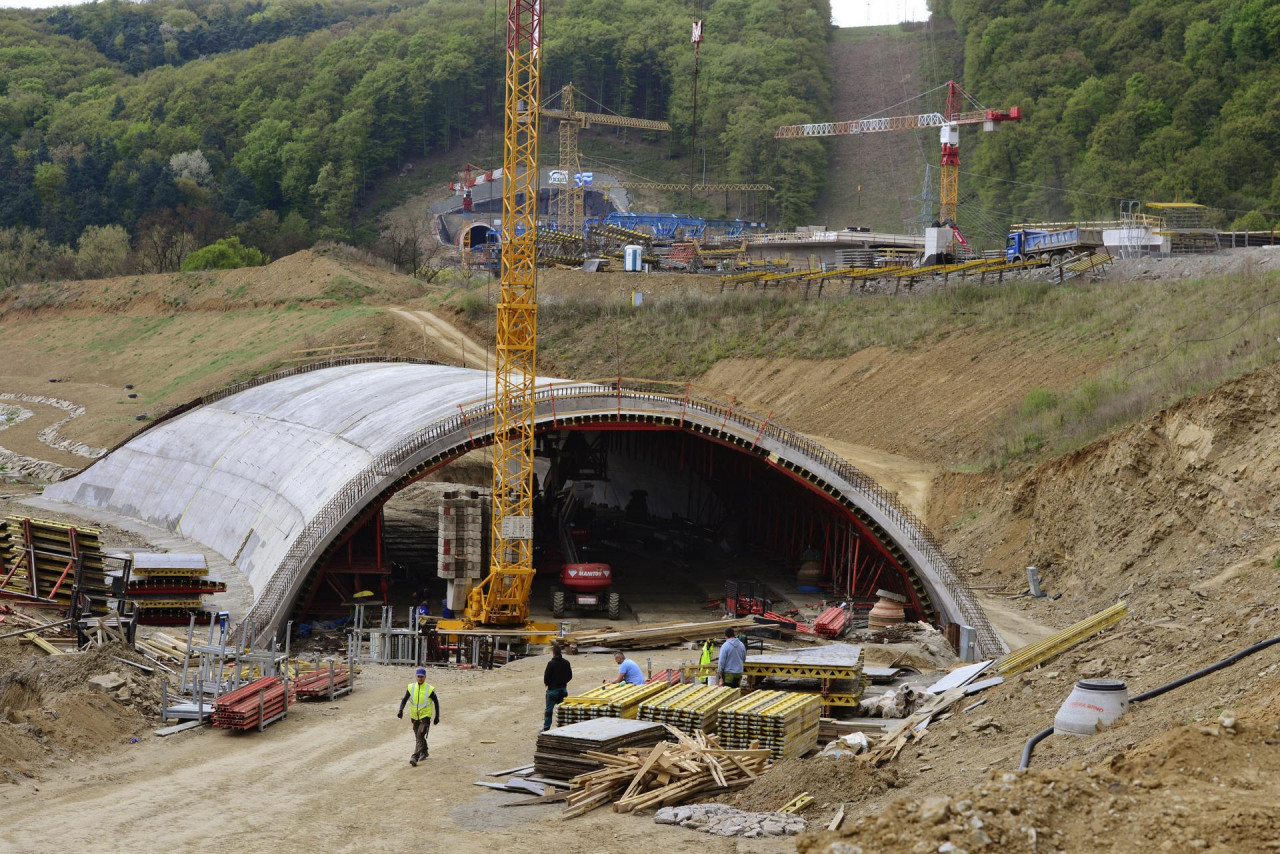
272, 473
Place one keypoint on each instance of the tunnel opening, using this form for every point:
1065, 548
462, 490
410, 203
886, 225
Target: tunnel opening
673, 513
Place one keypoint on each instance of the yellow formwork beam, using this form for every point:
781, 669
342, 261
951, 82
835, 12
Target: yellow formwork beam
1034, 654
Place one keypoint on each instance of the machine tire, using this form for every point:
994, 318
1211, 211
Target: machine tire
1018, 259
557, 603
615, 606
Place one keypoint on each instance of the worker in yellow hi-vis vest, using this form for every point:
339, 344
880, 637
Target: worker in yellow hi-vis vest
424, 704
708, 649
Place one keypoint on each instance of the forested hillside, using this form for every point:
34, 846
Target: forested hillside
131, 134
1172, 100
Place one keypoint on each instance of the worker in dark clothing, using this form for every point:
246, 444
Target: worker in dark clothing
424, 703
556, 677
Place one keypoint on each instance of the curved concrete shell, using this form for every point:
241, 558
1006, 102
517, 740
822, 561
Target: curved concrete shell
272, 474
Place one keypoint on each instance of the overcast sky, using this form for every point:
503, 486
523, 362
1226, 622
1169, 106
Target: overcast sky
845, 13
863, 13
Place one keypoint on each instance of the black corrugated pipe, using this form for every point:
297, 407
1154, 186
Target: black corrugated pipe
1156, 692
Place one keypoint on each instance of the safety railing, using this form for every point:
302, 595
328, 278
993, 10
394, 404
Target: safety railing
476, 419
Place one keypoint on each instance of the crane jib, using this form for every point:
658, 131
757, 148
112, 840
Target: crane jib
887, 123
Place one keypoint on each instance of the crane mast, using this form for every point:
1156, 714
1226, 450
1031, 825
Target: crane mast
502, 598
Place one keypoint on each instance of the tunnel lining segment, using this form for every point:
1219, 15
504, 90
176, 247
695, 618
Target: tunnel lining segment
316, 449
579, 402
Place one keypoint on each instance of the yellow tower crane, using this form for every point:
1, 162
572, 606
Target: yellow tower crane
569, 207
502, 597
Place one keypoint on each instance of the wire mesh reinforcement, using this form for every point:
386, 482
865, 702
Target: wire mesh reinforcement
476, 421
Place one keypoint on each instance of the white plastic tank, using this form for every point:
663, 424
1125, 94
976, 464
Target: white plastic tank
1093, 703
632, 258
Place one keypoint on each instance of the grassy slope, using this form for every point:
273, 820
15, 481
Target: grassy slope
1157, 342
175, 337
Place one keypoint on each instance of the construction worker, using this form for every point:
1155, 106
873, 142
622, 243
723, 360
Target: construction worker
556, 677
628, 671
733, 657
708, 648
424, 703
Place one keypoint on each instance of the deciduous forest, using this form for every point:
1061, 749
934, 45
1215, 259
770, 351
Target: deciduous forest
133, 134
1171, 100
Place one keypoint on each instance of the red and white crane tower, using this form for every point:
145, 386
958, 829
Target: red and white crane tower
949, 123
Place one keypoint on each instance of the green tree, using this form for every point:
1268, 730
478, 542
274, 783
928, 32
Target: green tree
226, 254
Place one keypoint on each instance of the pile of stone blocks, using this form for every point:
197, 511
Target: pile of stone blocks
722, 820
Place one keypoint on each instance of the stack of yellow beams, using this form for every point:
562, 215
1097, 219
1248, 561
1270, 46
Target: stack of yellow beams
784, 722
1034, 654
607, 701
689, 708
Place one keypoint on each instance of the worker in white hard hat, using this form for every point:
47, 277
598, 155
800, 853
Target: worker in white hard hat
424, 704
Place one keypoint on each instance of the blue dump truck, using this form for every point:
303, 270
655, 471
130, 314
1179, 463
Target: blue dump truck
1051, 244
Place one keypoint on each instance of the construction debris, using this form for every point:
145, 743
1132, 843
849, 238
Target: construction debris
912, 728
652, 637
562, 752
721, 820
785, 723
1035, 654
666, 774
255, 705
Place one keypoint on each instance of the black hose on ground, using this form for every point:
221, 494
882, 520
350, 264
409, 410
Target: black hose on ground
1030, 746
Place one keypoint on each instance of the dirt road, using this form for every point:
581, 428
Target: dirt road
448, 337
335, 777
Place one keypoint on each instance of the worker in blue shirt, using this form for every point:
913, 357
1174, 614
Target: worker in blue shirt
733, 658
628, 671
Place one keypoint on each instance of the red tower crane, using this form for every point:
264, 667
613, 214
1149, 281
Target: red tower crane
949, 122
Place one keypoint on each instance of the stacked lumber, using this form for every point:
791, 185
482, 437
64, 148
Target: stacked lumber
253, 706
784, 722
316, 685
560, 752
1034, 654
664, 634
689, 707
165, 648
664, 775
169, 587
607, 701
40, 562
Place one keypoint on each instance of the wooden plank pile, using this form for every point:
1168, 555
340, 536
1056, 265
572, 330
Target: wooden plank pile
255, 705
561, 752
689, 707
784, 722
322, 684
652, 637
669, 773
607, 701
